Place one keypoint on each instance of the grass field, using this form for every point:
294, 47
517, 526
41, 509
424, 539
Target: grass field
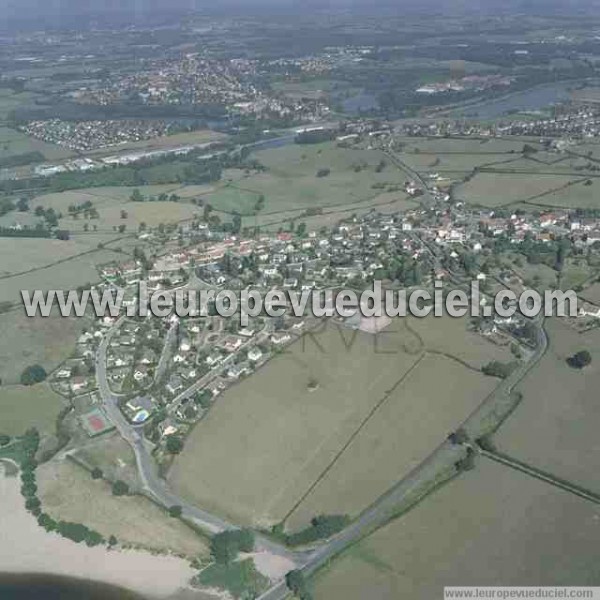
27, 341
415, 418
555, 427
269, 439
14, 142
68, 492
499, 189
492, 526
22, 407
291, 181
113, 456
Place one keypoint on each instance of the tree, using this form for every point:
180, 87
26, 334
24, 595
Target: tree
175, 511
97, 473
580, 359
112, 541
120, 488
122, 228
174, 444
124, 214
4, 439
296, 583
23, 205
136, 196
33, 374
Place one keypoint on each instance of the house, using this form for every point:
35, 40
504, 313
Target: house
140, 373
174, 385
280, 338
184, 344
213, 359
255, 354
231, 343
78, 383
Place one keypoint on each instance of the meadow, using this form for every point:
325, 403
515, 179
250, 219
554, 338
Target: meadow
36, 340
68, 492
286, 438
23, 407
491, 526
554, 426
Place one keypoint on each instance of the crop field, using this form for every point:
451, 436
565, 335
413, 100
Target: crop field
414, 419
27, 341
500, 189
13, 142
269, 439
76, 271
554, 426
291, 181
492, 526
68, 492
22, 407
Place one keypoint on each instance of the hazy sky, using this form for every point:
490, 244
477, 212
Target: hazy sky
68, 12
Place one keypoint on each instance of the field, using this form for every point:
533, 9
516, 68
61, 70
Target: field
291, 183
14, 142
499, 189
492, 526
24, 407
27, 341
269, 439
68, 492
66, 275
414, 419
554, 427
114, 456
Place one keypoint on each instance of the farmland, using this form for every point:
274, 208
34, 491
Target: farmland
290, 181
27, 341
492, 526
231, 452
554, 426
68, 492
24, 407
414, 419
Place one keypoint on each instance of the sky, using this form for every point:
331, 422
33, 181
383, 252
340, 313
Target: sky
52, 13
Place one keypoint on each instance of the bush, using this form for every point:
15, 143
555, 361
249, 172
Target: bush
225, 546
174, 444
323, 172
498, 369
580, 359
33, 374
4, 439
120, 488
97, 473
175, 512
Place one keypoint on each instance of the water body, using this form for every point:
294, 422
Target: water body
527, 100
45, 587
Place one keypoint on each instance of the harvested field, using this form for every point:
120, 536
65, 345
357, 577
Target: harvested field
68, 492
492, 526
415, 418
555, 426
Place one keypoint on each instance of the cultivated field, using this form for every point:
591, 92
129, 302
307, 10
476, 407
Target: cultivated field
499, 189
36, 340
22, 407
291, 181
68, 492
492, 526
414, 419
14, 142
269, 439
554, 427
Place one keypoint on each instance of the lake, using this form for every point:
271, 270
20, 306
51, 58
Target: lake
44, 587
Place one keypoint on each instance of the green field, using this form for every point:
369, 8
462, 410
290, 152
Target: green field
290, 181
27, 341
22, 407
269, 439
492, 526
554, 427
